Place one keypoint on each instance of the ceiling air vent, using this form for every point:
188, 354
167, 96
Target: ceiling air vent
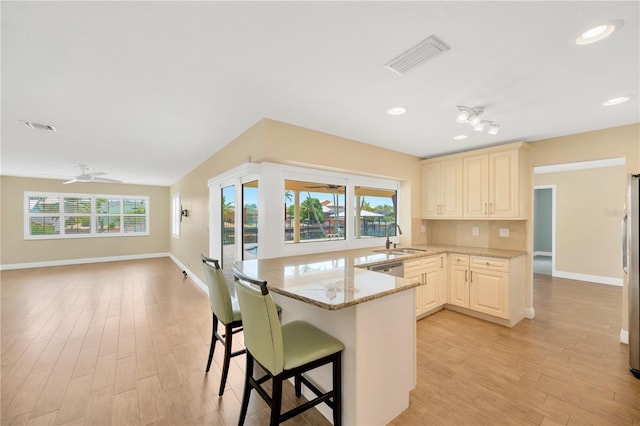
427, 49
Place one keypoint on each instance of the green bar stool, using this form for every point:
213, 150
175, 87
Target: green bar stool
224, 309
284, 351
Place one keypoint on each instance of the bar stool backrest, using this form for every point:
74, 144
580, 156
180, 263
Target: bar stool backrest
262, 332
219, 294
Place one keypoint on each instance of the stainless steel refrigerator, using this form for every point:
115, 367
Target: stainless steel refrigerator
631, 266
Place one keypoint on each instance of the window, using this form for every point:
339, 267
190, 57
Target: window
228, 215
313, 211
176, 215
84, 215
250, 220
375, 209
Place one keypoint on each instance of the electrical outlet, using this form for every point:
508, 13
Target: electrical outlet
475, 231
504, 232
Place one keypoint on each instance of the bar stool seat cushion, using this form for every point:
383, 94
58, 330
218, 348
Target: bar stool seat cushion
303, 343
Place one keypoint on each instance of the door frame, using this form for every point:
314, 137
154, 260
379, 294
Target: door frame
553, 225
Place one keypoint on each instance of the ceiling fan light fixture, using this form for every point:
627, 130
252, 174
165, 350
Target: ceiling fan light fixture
480, 126
463, 116
493, 129
474, 121
86, 176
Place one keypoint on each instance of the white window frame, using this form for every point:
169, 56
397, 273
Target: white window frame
176, 215
271, 178
94, 223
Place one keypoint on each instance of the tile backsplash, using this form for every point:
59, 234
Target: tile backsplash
478, 233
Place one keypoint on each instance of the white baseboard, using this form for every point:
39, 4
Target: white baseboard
624, 336
529, 313
81, 261
197, 281
590, 278
542, 253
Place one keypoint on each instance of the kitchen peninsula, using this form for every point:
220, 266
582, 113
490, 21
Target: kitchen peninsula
370, 312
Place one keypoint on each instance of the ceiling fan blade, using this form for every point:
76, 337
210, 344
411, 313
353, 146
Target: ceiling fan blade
70, 181
106, 180
97, 174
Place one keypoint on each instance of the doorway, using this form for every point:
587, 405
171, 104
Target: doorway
544, 229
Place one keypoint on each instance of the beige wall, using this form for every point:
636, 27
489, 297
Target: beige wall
278, 142
16, 250
588, 220
615, 142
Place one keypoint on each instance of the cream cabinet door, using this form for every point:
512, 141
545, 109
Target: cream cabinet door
443, 278
489, 292
442, 189
431, 190
503, 184
475, 186
425, 271
459, 280
413, 271
451, 188
430, 289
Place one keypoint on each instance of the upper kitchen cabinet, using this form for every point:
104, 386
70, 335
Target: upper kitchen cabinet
489, 183
442, 189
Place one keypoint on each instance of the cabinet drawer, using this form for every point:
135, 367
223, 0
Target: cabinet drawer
459, 260
430, 261
490, 263
412, 267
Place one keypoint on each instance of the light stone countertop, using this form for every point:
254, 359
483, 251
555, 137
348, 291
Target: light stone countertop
339, 279
473, 251
327, 280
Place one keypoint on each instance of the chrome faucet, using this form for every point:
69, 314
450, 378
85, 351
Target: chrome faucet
387, 244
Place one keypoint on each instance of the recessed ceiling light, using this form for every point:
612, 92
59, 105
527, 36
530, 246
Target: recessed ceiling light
598, 33
616, 101
396, 110
460, 137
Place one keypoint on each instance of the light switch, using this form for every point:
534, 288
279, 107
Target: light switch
504, 232
475, 231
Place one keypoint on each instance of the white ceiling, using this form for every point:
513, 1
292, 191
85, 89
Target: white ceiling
148, 90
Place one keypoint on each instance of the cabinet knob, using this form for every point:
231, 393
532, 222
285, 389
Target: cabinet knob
488, 263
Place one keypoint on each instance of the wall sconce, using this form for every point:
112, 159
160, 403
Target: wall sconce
183, 213
471, 116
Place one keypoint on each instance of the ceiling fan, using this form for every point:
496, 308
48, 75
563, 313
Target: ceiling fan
326, 187
85, 176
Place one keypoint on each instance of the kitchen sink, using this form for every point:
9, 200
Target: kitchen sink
400, 251
409, 250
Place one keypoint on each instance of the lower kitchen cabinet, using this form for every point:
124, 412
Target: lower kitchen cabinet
458, 280
489, 286
429, 292
486, 287
492, 286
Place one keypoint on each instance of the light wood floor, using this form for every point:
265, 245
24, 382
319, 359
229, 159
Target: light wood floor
126, 343
566, 366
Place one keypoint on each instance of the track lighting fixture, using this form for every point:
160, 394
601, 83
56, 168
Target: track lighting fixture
471, 116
